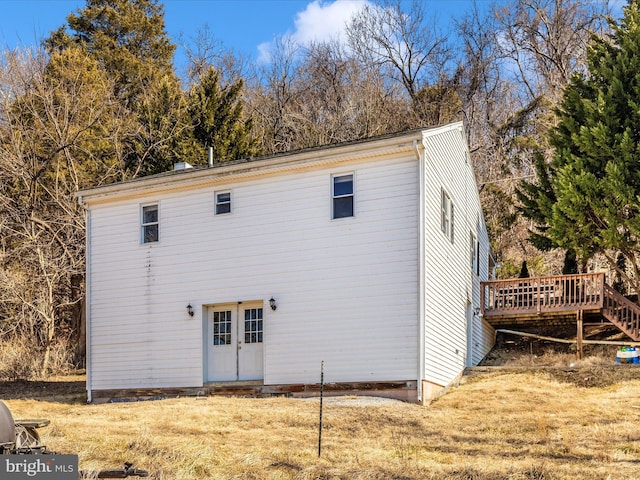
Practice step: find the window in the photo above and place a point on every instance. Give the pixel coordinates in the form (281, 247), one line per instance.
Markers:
(447, 215)
(475, 253)
(342, 196)
(150, 232)
(222, 328)
(253, 325)
(223, 203)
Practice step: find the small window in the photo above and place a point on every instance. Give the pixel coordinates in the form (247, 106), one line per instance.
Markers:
(447, 215)
(475, 253)
(150, 225)
(342, 196)
(223, 203)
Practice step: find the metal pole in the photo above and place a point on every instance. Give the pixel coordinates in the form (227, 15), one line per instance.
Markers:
(321, 396)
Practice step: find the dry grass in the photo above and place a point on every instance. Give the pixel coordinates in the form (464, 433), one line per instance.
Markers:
(528, 424)
(20, 360)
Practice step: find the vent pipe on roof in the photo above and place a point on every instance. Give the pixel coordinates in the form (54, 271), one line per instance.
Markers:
(182, 166)
(210, 159)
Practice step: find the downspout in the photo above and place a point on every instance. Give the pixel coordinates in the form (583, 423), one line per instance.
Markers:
(87, 302)
(419, 148)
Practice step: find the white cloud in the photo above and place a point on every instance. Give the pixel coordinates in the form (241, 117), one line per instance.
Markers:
(264, 52)
(320, 21)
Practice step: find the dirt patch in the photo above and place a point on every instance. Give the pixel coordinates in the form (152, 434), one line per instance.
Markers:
(514, 350)
(596, 376)
(598, 368)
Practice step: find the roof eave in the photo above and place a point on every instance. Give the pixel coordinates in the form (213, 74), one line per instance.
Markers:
(289, 161)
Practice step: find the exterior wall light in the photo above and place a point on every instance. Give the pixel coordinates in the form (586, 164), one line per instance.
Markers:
(190, 310)
(272, 303)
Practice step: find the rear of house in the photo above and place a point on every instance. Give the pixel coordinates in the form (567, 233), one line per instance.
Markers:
(366, 256)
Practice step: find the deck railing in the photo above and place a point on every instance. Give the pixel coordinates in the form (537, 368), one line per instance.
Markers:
(519, 296)
(622, 312)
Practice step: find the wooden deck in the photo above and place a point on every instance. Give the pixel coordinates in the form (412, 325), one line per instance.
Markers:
(558, 299)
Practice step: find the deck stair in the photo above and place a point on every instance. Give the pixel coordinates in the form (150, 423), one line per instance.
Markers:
(561, 298)
(621, 312)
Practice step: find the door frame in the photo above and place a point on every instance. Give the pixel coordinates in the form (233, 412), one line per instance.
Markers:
(237, 308)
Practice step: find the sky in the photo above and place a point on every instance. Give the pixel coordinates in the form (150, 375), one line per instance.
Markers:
(246, 26)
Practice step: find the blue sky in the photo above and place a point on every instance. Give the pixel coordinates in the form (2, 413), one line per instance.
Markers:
(246, 26)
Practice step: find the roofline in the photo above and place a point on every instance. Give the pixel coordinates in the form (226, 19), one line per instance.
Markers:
(274, 163)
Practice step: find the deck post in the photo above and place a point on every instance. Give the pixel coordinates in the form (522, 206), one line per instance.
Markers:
(579, 335)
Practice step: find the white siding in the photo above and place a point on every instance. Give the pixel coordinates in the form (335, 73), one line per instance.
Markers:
(483, 334)
(451, 286)
(346, 289)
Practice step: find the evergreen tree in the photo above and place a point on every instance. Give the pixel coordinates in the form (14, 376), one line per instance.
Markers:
(127, 39)
(218, 120)
(536, 202)
(570, 266)
(594, 175)
(618, 282)
(524, 270)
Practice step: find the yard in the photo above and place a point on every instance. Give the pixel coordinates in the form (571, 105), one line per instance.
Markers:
(515, 423)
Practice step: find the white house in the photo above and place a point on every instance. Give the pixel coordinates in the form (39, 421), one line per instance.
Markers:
(366, 255)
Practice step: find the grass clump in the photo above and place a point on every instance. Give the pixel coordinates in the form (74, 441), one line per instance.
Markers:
(21, 360)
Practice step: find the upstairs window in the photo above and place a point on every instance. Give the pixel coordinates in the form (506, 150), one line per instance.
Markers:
(342, 193)
(150, 225)
(446, 219)
(223, 203)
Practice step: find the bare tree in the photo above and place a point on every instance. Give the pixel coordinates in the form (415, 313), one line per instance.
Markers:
(323, 94)
(271, 96)
(545, 41)
(410, 49)
(517, 59)
(60, 132)
(204, 50)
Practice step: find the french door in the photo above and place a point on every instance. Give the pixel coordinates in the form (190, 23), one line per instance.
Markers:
(235, 343)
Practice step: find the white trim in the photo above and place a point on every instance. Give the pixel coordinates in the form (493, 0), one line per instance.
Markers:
(87, 306)
(419, 147)
(352, 195)
(431, 132)
(223, 173)
(215, 202)
(142, 224)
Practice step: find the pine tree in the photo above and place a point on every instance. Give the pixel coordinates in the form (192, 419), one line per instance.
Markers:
(570, 266)
(594, 175)
(524, 270)
(218, 120)
(127, 39)
(536, 202)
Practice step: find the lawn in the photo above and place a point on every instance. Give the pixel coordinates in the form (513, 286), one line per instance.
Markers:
(513, 423)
